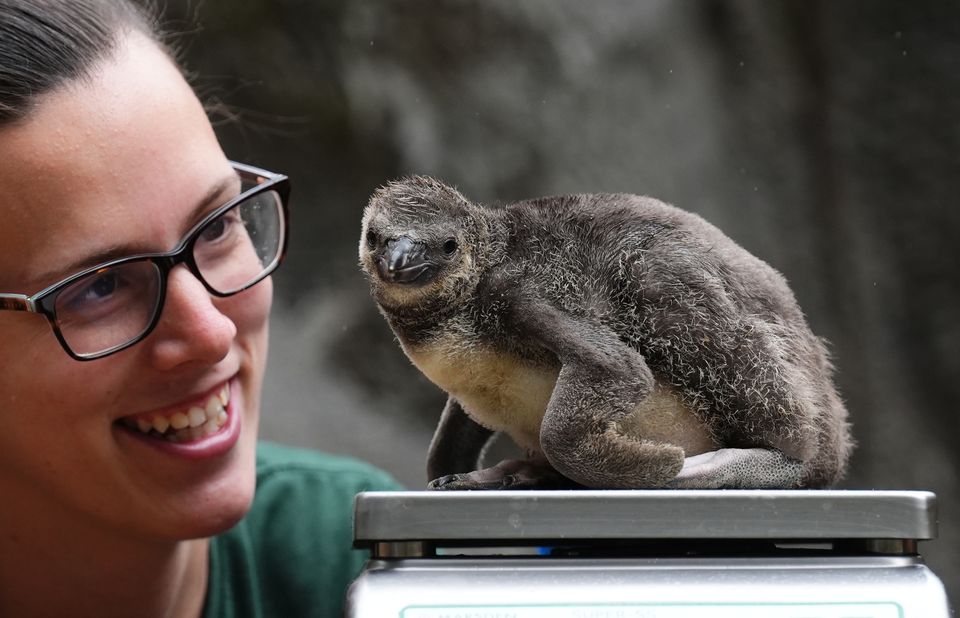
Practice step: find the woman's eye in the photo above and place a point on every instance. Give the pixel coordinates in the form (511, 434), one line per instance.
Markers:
(222, 227)
(103, 286)
(109, 293)
(97, 288)
(215, 229)
(92, 292)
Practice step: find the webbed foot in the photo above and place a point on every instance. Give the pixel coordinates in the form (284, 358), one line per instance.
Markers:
(508, 474)
(739, 468)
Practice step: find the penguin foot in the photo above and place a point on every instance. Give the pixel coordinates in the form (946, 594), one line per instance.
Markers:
(508, 474)
(739, 468)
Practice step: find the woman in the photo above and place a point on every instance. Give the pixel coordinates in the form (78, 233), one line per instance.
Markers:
(131, 385)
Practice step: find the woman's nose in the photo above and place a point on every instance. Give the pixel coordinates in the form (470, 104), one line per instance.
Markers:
(191, 327)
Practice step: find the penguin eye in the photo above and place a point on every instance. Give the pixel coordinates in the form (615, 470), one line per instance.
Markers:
(371, 240)
(450, 246)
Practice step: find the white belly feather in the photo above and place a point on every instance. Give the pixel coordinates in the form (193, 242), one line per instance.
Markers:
(504, 393)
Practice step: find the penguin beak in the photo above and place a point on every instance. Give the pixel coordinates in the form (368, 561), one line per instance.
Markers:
(403, 260)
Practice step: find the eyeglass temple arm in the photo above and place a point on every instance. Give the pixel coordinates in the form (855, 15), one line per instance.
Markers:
(257, 174)
(16, 302)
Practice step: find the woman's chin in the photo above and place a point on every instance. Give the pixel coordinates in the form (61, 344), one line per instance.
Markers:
(210, 507)
(215, 525)
(210, 518)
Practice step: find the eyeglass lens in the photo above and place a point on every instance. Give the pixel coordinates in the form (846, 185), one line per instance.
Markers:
(108, 307)
(236, 248)
(116, 305)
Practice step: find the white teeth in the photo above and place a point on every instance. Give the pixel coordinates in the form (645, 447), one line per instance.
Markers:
(213, 407)
(210, 427)
(192, 424)
(160, 423)
(197, 416)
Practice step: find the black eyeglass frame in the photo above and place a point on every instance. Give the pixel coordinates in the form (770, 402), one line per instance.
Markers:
(43, 302)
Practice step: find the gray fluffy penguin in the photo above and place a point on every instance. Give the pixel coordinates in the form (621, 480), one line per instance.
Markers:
(622, 342)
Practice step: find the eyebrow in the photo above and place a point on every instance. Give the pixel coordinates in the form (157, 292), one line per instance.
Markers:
(116, 251)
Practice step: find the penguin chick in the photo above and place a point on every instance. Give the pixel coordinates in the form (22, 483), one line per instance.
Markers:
(622, 342)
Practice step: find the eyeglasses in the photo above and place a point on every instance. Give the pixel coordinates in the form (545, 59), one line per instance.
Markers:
(110, 307)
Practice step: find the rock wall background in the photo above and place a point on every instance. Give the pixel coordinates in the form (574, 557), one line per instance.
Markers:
(822, 136)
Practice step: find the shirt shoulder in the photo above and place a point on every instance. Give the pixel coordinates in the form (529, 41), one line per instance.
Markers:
(292, 554)
(293, 468)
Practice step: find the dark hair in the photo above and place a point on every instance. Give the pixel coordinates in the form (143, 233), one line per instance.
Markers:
(44, 43)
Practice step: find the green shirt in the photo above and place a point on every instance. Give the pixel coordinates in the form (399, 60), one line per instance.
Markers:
(292, 554)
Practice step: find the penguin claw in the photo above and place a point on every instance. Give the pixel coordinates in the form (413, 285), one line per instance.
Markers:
(467, 481)
(509, 474)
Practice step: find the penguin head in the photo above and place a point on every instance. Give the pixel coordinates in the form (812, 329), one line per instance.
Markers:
(419, 242)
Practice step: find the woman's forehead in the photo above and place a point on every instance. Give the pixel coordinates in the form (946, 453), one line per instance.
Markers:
(121, 157)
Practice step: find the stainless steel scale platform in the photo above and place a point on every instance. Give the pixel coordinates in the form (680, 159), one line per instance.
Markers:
(646, 554)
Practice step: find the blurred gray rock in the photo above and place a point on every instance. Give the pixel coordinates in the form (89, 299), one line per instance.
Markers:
(822, 136)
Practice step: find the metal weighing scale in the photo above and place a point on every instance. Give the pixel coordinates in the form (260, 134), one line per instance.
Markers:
(646, 554)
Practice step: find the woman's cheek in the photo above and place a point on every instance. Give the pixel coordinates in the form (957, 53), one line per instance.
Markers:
(250, 309)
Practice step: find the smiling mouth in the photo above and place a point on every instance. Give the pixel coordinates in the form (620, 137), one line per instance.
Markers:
(187, 425)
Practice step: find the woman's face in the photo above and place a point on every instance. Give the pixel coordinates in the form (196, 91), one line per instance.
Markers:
(121, 163)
